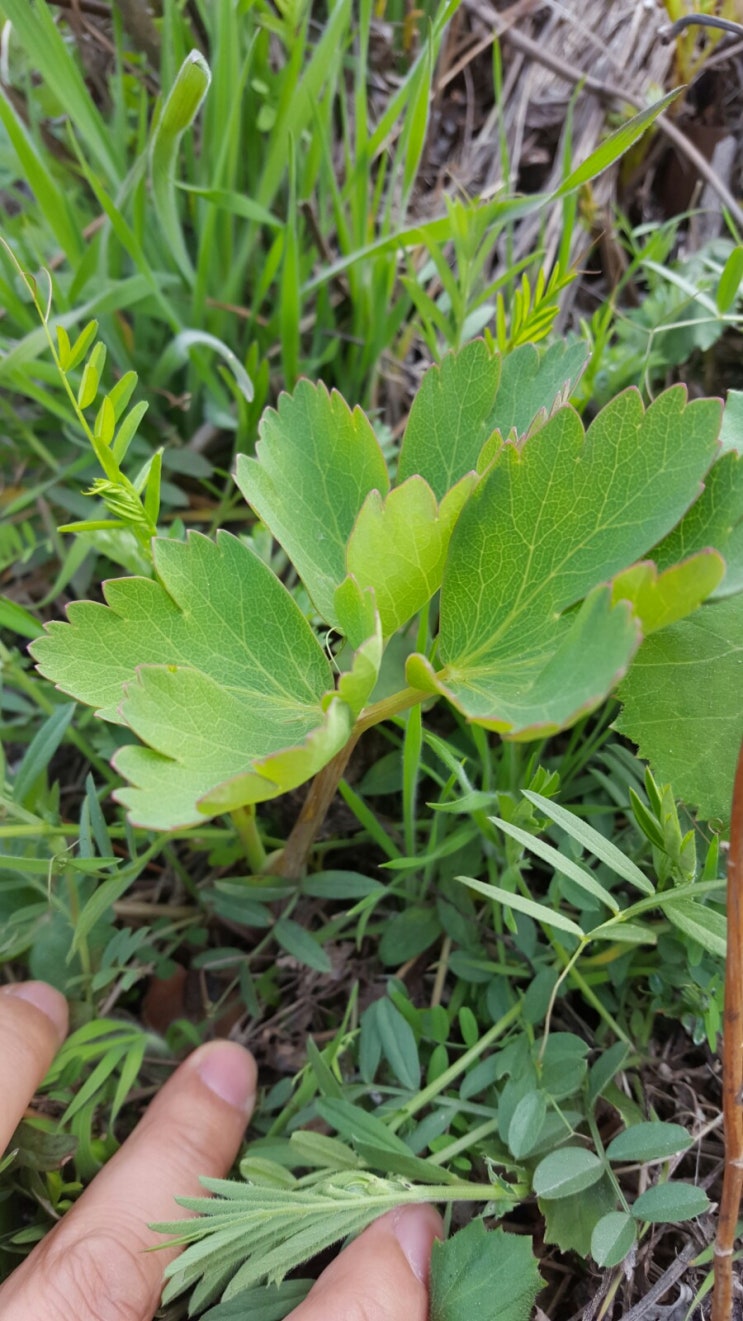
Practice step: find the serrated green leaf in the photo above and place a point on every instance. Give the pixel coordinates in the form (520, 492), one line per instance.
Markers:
(566, 1171)
(612, 1238)
(649, 1141)
(215, 668)
(569, 1222)
(315, 464)
(449, 419)
(683, 705)
(398, 546)
(731, 433)
(534, 383)
(546, 524)
(669, 1203)
(714, 520)
(704, 925)
(660, 599)
(476, 1267)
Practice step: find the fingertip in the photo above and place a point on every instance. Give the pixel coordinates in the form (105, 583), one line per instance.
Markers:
(229, 1071)
(416, 1228)
(45, 998)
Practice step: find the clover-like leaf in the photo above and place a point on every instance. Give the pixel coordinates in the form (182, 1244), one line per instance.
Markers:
(398, 546)
(316, 462)
(215, 668)
(683, 705)
(549, 521)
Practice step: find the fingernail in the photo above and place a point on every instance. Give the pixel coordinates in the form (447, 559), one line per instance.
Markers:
(415, 1228)
(229, 1072)
(43, 997)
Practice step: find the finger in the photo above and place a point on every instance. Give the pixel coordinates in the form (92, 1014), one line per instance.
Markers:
(33, 1025)
(94, 1263)
(382, 1276)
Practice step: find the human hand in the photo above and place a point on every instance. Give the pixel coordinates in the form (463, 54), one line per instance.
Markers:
(93, 1265)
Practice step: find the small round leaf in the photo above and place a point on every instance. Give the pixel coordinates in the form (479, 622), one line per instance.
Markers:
(569, 1170)
(651, 1141)
(667, 1203)
(613, 1236)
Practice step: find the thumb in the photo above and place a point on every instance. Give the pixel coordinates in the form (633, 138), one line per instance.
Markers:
(382, 1275)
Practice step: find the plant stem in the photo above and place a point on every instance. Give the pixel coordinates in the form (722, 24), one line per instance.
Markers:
(244, 821)
(732, 1065)
(292, 860)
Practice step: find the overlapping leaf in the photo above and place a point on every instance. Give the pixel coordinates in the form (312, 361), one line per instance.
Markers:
(683, 704)
(316, 463)
(550, 521)
(215, 668)
(714, 520)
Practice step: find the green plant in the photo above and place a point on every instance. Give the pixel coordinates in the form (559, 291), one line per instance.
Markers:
(533, 628)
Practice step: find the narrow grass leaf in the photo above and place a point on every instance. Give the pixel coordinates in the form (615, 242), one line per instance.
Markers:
(41, 749)
(591, 840)
(517, 901)
(565, 866)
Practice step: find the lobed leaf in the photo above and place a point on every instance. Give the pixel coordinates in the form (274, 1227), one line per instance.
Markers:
(476, 1266)
(315, 464)
(714, 521)
(682, 704)
(547, 524)
(214, 667)
(398, 546)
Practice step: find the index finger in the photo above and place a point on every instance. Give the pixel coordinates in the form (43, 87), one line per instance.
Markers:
(33, 1025)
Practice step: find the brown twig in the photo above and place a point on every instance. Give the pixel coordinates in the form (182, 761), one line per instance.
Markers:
(611, 92)
(732, 1065)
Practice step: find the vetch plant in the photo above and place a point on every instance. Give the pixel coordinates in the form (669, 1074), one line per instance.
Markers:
(518, 560)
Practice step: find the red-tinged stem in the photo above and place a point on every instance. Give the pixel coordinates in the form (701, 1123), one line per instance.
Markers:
(732, 1066)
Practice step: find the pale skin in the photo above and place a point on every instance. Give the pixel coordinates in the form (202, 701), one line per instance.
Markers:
(93, 1266)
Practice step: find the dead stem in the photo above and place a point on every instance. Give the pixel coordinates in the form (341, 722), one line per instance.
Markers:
(732, 1066)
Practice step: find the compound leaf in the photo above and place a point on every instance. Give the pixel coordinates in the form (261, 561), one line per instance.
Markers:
(683, 705)
(214, 667)
(549, 522)
(477, 1266)
(315, 464)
